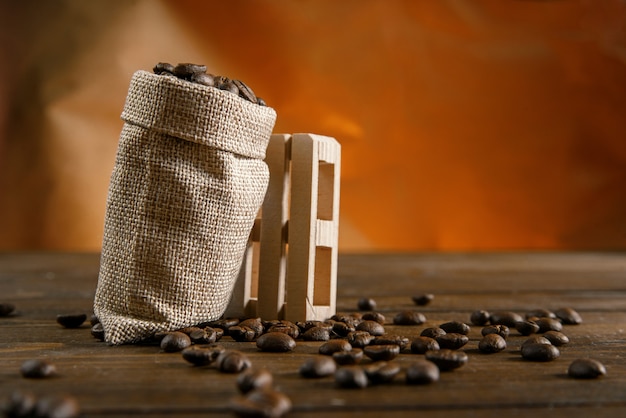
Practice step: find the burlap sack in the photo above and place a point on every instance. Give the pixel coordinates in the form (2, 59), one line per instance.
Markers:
(188, 181)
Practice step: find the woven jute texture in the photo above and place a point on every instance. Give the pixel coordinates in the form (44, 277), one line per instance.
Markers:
(188, 181)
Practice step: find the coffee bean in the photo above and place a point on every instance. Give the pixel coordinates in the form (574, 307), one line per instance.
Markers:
(480, 317)
(398, 340)
(317, 334)
(175, 341)
(94, 320)
(318, 366)
(261, 403)
(342, 329)
(452, 340)
(332, 346)
(540, 352)
(372, 327)
(186, 70)
(353, 356)
(557, 338)
(422, 372)
(492, 343)
(455, 327)
(307, 325)
(6, 309)
(202, 356)
(276, 342)
(205, 335)
(384, 352)
(37, 368)
(535, 339)
(242, 333)
(245, 91)
(71, 320)
(432, 332)
(421, 345)
(527, 327)
(287, 327)
(423, 299)
(548, 324)
(163, 67)
(366, 304)
(374, 316)
(351, 377)
(230, 87)
(507, 318)
(232, 361)
(21, 404)
(501, 330)
(97, 331)
(446, 359)
(254, 324)
(540, 313)
(568, 316)
(57, 407)
(203, 78)
(586, 368)
(252, 379)
(352, 320)
(260, 101)
(222, 324)
(359, 339)
(409, 318)
(381, 372)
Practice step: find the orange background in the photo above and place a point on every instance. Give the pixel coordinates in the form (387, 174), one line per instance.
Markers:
(465, 125)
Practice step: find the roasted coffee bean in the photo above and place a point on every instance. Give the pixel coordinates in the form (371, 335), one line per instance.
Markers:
(37, 368)
(398, 340)
(232, 361)
(423, 299)
(260, 101)
(480, 317)
(373, 327)
(186, 70)
(332, 346)
(163, 67)
(409, 318)
(6, 309)
(222, 324)
(540, 313)
(548, 324)
(452, 340)
(568, 316)
(261, 403)
(492, 343)
(374, 316)
(447, 359)
(527, 327)
(432, 332)
(276, 342)
(230, 87)
(507, 318)
(351, 377)
(422, 372)
(381, 372)
(359, 339)
(586, 368)
(456, 327)
(201, 356)
(292, 330)
(342, 329)
(557, 338)
(175, 341)
(353, 319)
(252, 379)
(93, 320)
(203, 78)
(501, 330)
(57, 407)
(242, 333)
(535, 339)
(318, 366)
(385, 352)
(254, 324)
(317, 334)
(221, 81)
(97, 331)
(421, 345)
(353, 356)
(205, 335)
(71, 320)
(245, 91)
(540, 352)
(307, 325)
(366, 304)
(21, 404)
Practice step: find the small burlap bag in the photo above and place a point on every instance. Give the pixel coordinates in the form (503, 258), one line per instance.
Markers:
(188, 181)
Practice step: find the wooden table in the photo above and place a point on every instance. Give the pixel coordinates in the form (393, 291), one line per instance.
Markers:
(141, 380)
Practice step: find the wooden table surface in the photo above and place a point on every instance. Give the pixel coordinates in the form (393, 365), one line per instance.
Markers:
(142, 380)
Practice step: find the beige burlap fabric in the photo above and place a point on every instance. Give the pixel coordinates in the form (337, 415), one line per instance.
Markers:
(188, 181)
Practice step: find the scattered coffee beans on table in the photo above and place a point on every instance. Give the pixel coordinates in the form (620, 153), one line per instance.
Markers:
(38, 368)
(568, 316)
(423, 299)
(252, 379)
(381, 372)
(492, 343)
(586, 368)
(277, 342)
(71, 320)
(447, 359)
(233, 361)
(318, 366)
(409, 318)
(366, 304)
(422, 372)
(540, 352)
(351, 377)
(263, 403)
(6, 309)
(175, 341)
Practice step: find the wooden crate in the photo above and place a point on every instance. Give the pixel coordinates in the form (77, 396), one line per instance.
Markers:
(290, 267)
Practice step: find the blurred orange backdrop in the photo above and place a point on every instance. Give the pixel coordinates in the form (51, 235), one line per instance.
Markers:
(465, 124)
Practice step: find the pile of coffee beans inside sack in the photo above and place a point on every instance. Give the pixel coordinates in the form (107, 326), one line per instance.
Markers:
(354, 349)
(196, 73)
